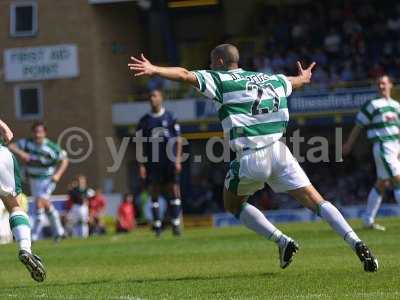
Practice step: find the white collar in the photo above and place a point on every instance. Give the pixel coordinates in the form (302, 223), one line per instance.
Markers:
(159, 114)
(236, 70)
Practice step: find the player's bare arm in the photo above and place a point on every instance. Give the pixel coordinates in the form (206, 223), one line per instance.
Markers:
(60, 170)
(303, 77)
(22, 155)
(6, 132)
(178, 162)
(143, 67)
(348, 146)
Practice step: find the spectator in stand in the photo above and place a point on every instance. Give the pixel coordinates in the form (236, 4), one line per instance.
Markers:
(97, 206)
(321, 77)
(319, 57)
(262, 64)
(277, 63)
(376, 71)
(364, 32)
(291, 58)
(126, 215)
(347, 72)
(332, 42)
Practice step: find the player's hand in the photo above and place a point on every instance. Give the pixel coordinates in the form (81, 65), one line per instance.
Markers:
(25, 157)
(56, 178)
(142, 172)
(141, 66)
(346, 149)
(305, 74)
(7, 136)
(178, 167)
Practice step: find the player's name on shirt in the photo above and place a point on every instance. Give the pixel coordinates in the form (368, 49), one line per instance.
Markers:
(252, 106)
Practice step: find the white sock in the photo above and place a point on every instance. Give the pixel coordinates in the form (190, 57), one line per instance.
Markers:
(374, 201)
(332, 215)
(255, 220)
(54, 218)
(81, 229)
(396, 191)
(21, 229)
(85, 230)
(38, 225)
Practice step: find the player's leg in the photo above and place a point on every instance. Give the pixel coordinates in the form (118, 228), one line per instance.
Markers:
(384, 154)
(54, 218)
(20, 227)
(249, 215)
(288, 176)
(51, 212)
(154, 190)
(311, 199)
(10, 187)
(78, 220)
(70, 220)
(39, 220)
(84, 221)
(19, 223)
(373, 203)
(255, 220)
(174, 193)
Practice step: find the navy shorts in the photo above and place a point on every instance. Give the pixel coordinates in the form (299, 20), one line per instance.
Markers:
(161, 174)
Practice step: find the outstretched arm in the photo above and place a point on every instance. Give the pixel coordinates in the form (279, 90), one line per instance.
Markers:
(348, 146)
(303, 77)
(143, 67)
(5, 132)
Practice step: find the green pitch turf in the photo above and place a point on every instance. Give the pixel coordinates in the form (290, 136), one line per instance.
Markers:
(230, 263)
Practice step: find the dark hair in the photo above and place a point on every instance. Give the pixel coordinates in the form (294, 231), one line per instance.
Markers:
(155, 90)
(387, 76)
(38, 124)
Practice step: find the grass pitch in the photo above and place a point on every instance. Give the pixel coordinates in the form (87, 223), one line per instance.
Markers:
(231, 263)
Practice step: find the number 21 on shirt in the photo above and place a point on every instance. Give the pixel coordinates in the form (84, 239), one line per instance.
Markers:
(259, 92)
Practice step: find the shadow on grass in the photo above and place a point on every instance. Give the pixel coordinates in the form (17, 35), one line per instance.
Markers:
(140, 281)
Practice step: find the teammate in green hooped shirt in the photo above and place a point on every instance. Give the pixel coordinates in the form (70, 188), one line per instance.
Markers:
(10, 189)
(45, 163)
(252, 108)
(381, 119)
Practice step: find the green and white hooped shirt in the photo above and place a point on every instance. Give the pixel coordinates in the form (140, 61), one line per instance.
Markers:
(44, 157)
(252, 106)
(381, 118)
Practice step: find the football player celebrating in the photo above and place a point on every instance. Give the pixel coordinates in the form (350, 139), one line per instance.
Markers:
(253, 110)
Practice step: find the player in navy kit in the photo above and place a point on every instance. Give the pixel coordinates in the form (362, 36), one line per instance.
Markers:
(162, 152)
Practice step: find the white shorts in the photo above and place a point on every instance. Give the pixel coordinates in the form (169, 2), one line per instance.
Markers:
(386, 155)
(10, 179)
(42, 187)
(274, 165)
(78, 214)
